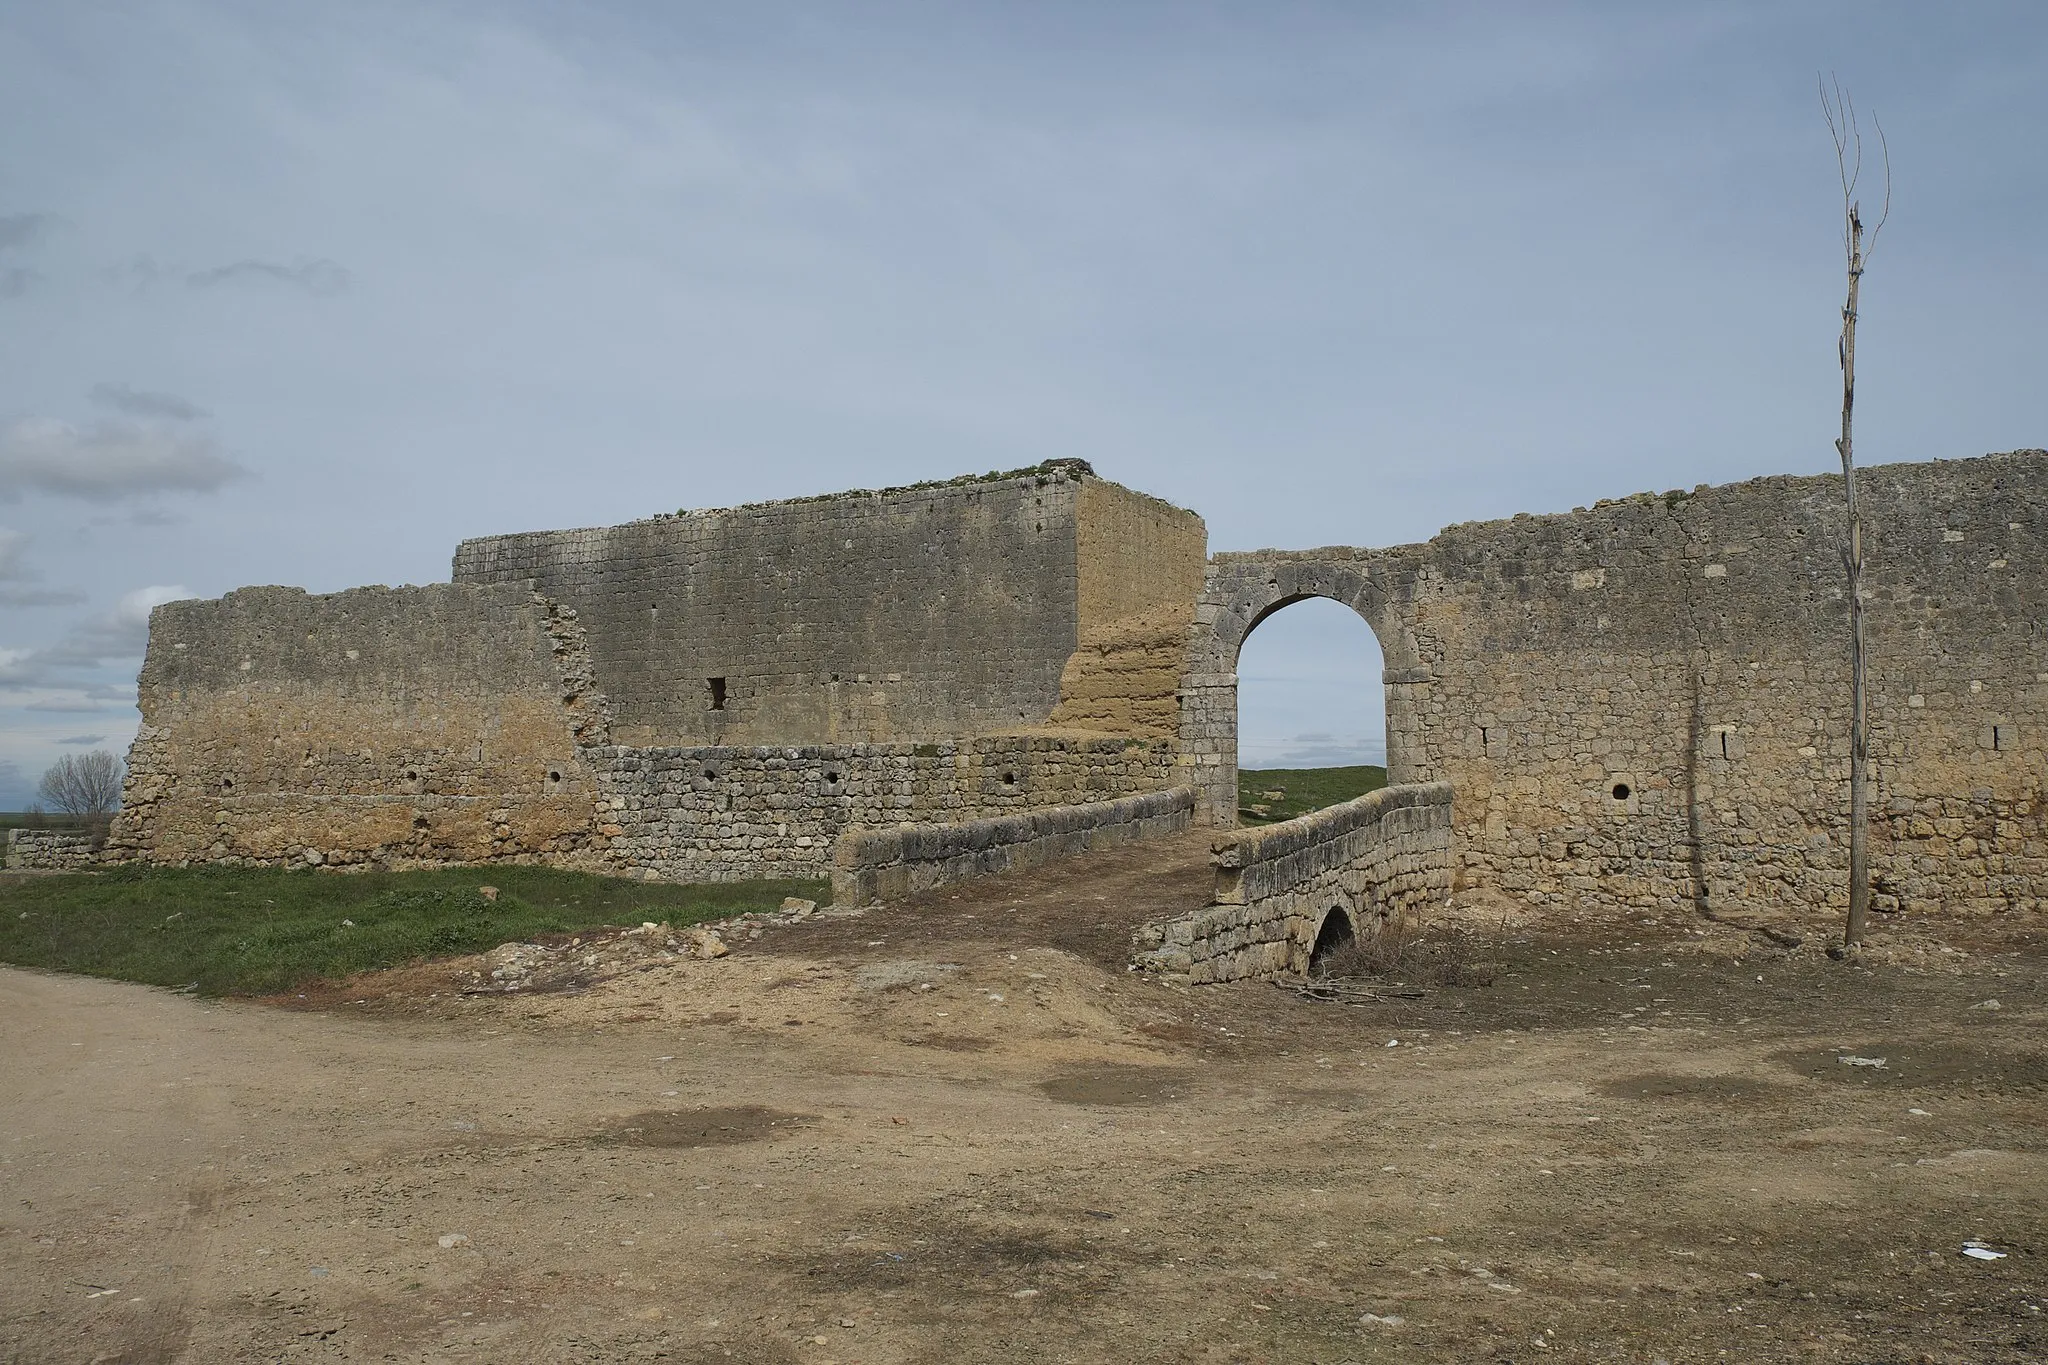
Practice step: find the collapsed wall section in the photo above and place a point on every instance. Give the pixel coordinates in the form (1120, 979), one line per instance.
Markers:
(52, 850)
(911, 614)
(397, 726)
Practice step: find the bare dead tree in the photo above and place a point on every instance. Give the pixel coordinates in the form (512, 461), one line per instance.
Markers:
(87, 785)
(1847, 133)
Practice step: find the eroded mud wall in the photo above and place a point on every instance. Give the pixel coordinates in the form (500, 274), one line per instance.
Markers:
(398, 726)
(1139, 569)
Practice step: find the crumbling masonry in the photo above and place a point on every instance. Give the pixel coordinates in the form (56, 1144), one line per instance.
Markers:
(1632, 705)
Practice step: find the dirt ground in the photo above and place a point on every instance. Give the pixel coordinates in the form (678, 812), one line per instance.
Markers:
(957, 1130)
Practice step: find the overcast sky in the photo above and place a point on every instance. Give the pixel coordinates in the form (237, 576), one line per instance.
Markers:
(305, 294)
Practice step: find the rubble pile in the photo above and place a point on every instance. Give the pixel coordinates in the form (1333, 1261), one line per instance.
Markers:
(582, 961)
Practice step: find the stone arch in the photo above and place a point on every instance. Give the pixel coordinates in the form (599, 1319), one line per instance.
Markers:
(1243, 590)
(1337, 932)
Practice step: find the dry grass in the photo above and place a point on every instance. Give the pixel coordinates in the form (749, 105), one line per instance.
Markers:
(1400, 951)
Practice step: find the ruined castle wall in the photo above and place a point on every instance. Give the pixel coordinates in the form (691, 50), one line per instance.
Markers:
(878, 657)
(913, 614)
(719, 814)
(1646, 703)
(398, 726)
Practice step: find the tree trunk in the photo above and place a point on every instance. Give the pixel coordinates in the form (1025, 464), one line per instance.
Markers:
(1859, 740)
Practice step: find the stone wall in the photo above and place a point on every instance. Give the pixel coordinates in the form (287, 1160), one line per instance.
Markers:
(1140, 570)
(399, 727)
(1382, 856)
(52, 850)
(1645, 703)
(867, 657)
(1639, 704)
(873, 865)
(718, 814)
(925, 613)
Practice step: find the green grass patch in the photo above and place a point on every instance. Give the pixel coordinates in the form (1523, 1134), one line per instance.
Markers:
(251, 931)
(22, 819)
(1300, 790)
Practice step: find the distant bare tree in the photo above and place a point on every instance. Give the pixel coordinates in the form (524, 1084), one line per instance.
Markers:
(1840, 111)
(86, 785)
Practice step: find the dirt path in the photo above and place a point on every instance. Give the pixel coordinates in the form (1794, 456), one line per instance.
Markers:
(948, 1131)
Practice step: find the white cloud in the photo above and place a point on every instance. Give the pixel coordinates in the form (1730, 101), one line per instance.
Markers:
(108, 461)
(1312, 751)
(116, 637)
(131, 613)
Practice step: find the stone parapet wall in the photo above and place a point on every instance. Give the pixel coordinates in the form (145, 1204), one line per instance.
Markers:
(886, 864)
(53, 850)
(1383, 856)
(724, 813)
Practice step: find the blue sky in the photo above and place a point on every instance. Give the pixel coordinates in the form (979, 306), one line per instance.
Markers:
(305, 294)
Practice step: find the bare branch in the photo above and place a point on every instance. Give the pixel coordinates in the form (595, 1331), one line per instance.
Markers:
(1871, 244)
(1839, 108)
(86, 785)
(1837, 130)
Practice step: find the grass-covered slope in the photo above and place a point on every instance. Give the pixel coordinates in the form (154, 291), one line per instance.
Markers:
(253, 930)
(1265, 795)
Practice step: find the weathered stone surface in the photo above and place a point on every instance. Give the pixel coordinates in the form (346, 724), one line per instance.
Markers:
(53, 850)
(886, 864)
(1383, 856)
(909, 614)
(900, 652)
(721, 814)
(1638, 704)
(398, 726)
(1646, 703)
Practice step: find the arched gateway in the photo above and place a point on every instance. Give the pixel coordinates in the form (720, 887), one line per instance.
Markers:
(1242, 590)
